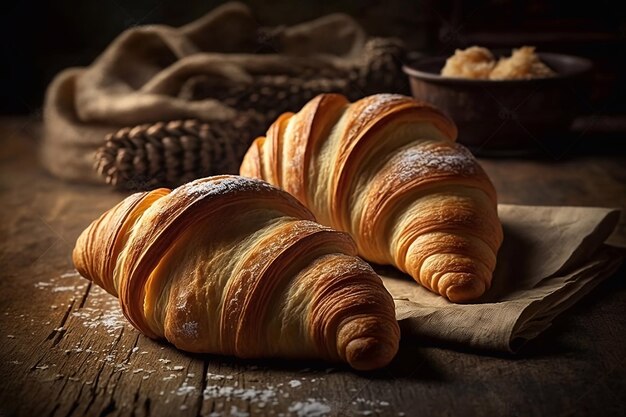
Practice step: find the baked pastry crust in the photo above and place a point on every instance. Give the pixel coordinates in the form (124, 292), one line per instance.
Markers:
(234, 266)
(386, 169)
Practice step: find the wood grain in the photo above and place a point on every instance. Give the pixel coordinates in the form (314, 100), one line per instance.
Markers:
(66, 350)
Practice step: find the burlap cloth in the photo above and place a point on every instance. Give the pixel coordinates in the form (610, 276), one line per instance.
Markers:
(550, 258)
(139, 78)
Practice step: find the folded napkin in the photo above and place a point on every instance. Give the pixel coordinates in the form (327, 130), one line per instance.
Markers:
(550, 258)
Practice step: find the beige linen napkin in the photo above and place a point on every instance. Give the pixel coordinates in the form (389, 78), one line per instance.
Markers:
(550, 258)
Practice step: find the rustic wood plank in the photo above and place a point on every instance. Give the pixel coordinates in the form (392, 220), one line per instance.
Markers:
(580, 181)
(67, 351)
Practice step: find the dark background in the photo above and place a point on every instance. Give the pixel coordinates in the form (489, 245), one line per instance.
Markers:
(41, 38)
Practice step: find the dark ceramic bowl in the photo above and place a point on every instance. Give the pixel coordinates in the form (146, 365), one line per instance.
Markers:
(512, 116)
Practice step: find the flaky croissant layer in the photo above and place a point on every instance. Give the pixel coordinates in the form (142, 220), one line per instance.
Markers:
(386, 169)
(234, 266)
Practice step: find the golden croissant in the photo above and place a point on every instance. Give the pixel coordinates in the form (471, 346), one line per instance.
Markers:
(387, 170)
(234, 266)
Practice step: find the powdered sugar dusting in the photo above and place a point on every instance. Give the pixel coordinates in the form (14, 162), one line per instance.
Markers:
(420, 161)
(249, 394)
(367, 407)
(224, 185)
(294, 383)
(377, 101)
(374, 104)
(271, 395)
(190, 329)
(310, 408)
(185, 389)
(70, 274)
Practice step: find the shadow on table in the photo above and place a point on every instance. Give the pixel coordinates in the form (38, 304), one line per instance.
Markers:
(409, 363)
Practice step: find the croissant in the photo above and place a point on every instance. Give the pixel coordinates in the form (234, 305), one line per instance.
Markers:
(387, 170)
(234, 266)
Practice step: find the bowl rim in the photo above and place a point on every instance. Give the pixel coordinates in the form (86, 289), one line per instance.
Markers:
(585, 66)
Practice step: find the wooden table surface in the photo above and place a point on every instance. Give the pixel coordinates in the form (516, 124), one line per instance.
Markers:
(66, 350)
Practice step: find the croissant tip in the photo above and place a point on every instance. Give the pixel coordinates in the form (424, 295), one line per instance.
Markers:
(467, 288)
(369, 353)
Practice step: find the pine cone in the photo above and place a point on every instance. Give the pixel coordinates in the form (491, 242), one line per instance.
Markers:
(172, 153)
